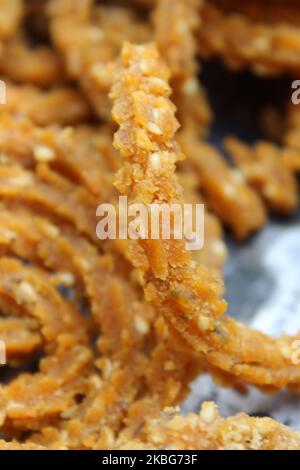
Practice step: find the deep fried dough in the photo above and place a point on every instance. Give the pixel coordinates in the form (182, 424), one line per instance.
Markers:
(29, 400)
(52, 193)
(175, 25)
(11, 12)
(226, 191)
(61, 106)
(40, 66)
(89, 38)
(187, 297)
(109, 364)
(208, 431)
(83, 155)
(263, 167)
(268, 49)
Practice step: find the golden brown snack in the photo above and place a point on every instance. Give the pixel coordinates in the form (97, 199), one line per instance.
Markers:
(291, 159)
(214, 252)
(126, 323)
(83, 155)
(129, 390)
(61, 106)
(208, 431)
(264, 169)
(271, 11)
(106, 374)
(46, 191)
(15, 445)
(268, 49)
(188, 298)
(90, 38)
(75, 262)
(11, 12)
(31, 400)
(283, 128)
(175, 25)
(40, 66)
(21, 336)
(226, 191)
(36, 239)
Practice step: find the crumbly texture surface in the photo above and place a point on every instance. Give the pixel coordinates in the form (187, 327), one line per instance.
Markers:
(187, 297)
(104, 337)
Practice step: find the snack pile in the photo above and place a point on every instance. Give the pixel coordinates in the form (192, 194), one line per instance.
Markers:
(104, 337)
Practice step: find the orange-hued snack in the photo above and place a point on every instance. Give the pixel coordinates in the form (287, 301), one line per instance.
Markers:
(39, 66)
(226, 191)
(83, 155)
(103, 338)
(175, 23)
(187, 297)
(90, 38)
(243, 42)
(263, 167)
(58, 106)
(208, 431)
(11, 13)
(30, 400)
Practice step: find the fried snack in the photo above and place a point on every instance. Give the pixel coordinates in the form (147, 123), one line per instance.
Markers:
(188, 298)
(40, 66)
(15, 445)
(268, 49)
(214, 252)
(21, 336)
(46, 190)
(264, 169)
(61, 106)
(283, 128)
(291, 159)
(208, 431)
(35, 239)
(175, 24)
(30, 400)
(83, 155)
(75, 262)
(273, 11)
(130, 390)
(95, 379)
(11, 12)
(226, 191)
(126, 325)
(89, 38)
(124, 320)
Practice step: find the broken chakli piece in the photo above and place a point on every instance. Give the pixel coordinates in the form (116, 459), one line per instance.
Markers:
(103, 338)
